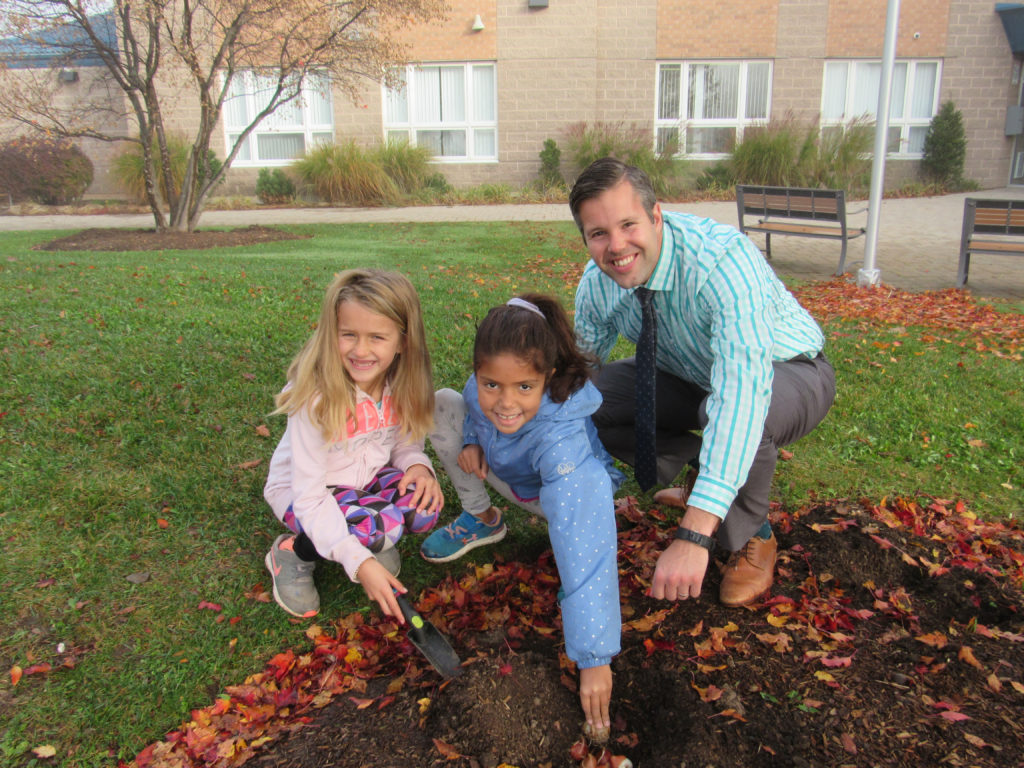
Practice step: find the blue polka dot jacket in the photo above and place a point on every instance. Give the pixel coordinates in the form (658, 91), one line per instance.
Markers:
(557, 458)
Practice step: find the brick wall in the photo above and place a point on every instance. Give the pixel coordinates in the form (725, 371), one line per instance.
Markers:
(856, 28)
(976, 76)
(698, 29)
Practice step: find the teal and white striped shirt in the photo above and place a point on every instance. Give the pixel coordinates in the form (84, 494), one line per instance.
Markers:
(723, 318)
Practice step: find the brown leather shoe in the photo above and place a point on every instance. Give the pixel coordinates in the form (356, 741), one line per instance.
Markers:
(749, 572)
(672, 497)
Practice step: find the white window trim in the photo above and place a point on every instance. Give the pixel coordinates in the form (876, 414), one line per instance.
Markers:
(905, 123)
(469, 124)
(310, 129)
(739, 123)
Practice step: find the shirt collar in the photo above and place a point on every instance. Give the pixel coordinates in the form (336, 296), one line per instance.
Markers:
(663, 276)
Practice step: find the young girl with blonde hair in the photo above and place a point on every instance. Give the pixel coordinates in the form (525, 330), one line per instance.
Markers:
(350, 475)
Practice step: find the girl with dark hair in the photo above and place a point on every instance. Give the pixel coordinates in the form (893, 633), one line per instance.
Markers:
(522, 425)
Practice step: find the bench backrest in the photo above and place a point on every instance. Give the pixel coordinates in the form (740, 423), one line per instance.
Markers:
(993, 217)
(799, 202)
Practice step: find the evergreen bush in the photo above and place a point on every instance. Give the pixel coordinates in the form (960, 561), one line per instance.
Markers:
(273, 187)
(550, 165)
(945, 147)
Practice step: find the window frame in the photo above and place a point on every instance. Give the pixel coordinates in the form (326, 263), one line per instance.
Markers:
(316, 85)
(683, 122)
(905, 123)
(475, 126)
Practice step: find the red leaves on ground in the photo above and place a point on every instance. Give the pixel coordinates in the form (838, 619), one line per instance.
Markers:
(817, 623)
(1000, 333)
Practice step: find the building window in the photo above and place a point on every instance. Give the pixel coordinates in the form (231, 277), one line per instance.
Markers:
(850, 91)
(703, 107)
(287, 132)
(450, 108)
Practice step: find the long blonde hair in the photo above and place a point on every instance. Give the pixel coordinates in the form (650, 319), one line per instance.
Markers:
(317, 374)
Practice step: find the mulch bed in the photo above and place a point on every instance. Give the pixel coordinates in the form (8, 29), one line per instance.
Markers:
(112, 239)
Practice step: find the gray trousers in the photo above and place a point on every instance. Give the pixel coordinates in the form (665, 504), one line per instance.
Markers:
(802, 393)
(447, 440)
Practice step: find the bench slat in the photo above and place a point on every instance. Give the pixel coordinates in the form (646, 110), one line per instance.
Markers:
(1003, 218)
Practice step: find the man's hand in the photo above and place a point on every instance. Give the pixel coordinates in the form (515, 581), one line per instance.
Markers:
(472, 461)
(680, 571)
(595, 695)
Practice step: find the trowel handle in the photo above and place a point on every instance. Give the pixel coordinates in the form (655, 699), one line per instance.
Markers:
(412, 617)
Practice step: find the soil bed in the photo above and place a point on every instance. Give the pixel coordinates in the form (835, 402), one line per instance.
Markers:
(877, 646)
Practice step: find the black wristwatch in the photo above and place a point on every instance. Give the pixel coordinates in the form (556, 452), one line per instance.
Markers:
(697, 538)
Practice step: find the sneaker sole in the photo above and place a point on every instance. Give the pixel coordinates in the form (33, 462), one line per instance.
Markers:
(494, 538)
(267, 561)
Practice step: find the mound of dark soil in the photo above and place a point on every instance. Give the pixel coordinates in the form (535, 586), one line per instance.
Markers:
(893, 637)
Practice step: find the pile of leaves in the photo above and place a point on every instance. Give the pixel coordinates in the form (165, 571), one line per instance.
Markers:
(950, 310)
(893, 636)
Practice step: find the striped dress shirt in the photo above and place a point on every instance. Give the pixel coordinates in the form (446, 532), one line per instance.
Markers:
(723, 318)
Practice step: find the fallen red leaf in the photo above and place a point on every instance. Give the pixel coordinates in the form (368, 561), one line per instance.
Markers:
(447, 752)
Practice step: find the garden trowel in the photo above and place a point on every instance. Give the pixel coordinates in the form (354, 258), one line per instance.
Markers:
(429, 640)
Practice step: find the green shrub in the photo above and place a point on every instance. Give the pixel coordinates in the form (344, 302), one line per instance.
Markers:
(784, 153)
(945, 147)
(407, 166)
(347, 174)
(631, 144)
(273, 187)
(550, 165)
(777, 154)
(716, 178)
(128, 167)
(47, 171)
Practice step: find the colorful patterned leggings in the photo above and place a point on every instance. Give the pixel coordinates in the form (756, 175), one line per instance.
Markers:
(376, 515)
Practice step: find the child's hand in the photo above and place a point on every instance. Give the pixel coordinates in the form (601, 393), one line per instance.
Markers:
(472, 461)
(426, 496)
(595, 694)
(380, 585)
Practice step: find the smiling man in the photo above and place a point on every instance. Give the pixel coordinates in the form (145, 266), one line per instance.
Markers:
(736, 357)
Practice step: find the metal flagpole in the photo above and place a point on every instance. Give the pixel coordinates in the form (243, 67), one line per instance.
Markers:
(868, 275)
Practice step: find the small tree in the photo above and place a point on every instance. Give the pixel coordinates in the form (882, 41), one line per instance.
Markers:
(945, 147)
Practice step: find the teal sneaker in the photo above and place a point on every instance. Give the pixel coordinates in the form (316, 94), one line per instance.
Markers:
(458, 537)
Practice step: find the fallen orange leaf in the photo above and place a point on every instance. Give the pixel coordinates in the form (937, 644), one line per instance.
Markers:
(16, 672)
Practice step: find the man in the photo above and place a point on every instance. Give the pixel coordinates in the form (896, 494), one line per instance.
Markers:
(736, 356)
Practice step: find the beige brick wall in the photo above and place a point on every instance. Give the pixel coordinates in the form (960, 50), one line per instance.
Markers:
(800, 50)
(698, 29)
(976, 76)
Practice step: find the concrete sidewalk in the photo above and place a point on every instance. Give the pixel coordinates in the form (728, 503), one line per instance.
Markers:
(917, 249)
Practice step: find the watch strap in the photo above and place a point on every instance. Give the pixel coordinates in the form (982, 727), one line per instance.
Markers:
(699, 539)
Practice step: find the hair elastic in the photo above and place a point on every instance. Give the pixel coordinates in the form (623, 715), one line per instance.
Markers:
(524, 304)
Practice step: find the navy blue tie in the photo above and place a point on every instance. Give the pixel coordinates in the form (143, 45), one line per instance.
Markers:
(646, 460)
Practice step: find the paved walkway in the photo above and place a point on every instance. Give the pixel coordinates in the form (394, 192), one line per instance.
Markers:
(917, 249)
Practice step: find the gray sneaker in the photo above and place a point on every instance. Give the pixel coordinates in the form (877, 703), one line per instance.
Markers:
(293, 579)
(390, 559)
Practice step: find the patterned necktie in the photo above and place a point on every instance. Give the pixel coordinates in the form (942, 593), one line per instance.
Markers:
(646, 461)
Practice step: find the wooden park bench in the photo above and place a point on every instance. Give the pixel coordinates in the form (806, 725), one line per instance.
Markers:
(990, 226)
(796, 211)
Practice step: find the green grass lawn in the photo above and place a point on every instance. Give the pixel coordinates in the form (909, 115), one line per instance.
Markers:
(136, 392)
